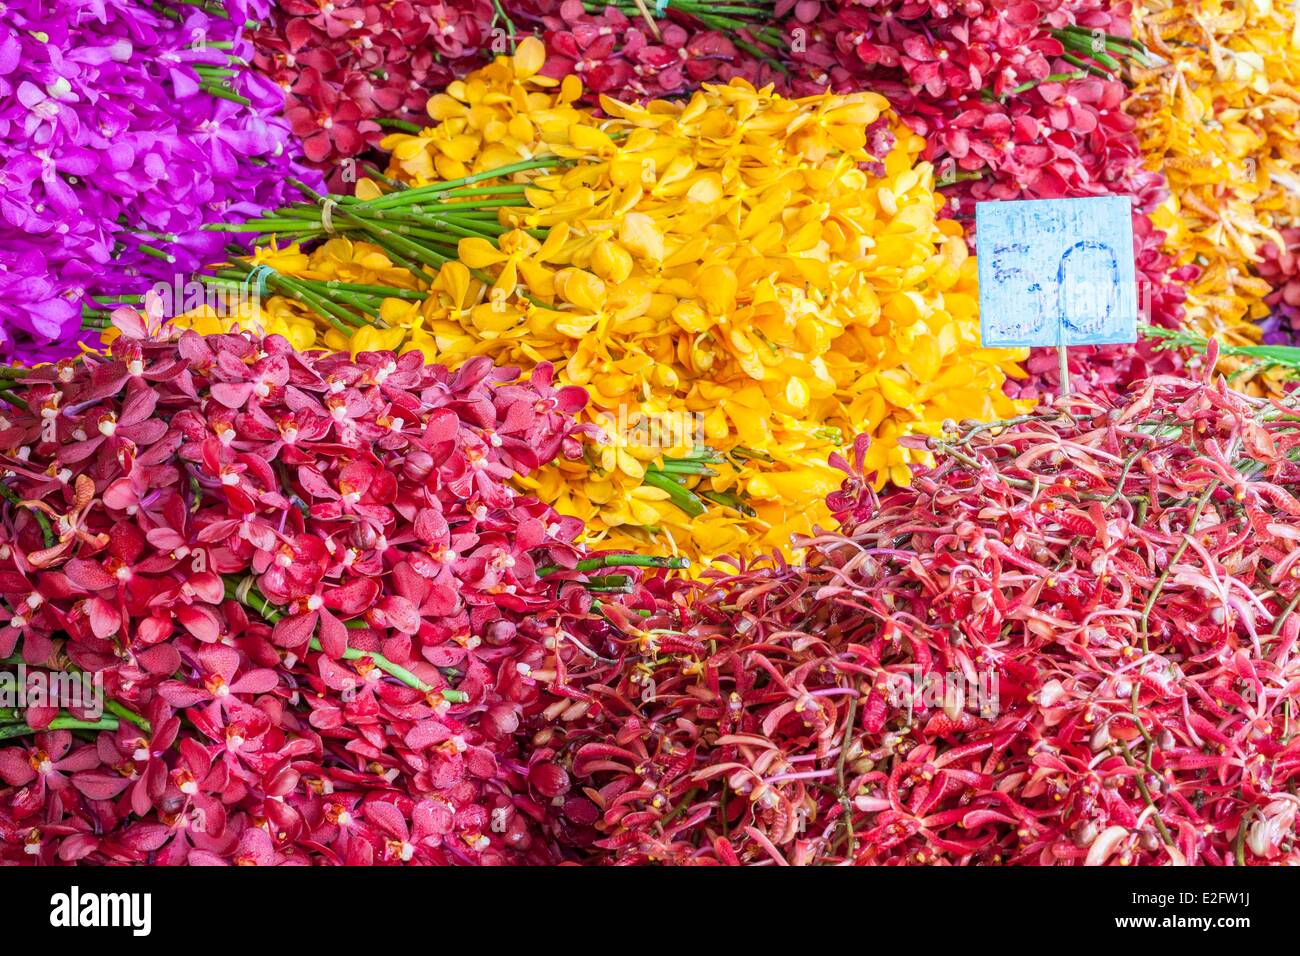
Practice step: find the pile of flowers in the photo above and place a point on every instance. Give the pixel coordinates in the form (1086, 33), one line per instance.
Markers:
(348, 70)
(739, 281)
(1021, 101)
(1217, 115)
(125, 127)
(1071, 642)
(317, 608)
(368, 556)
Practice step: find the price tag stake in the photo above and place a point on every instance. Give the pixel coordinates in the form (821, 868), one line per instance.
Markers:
(1056, 272)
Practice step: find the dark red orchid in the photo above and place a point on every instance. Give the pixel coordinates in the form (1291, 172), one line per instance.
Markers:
(345, 67)
(622, 56)
(50, 763)
(306, 588)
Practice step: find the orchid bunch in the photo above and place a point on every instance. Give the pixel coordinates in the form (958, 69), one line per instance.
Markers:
(124, 127)
(1072, 642)
(665, 260)
(1217, 112)
(318, 610)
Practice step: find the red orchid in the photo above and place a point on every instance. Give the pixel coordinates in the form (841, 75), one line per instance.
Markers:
(147, 748)
(429, 822)
(51, 763)
(192, 572)
(620, 55)
(349, 600)
(344, 67)
(221, 681)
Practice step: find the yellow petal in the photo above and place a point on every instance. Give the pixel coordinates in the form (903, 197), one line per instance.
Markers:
(581, 288)
(367, 189)
(717, 287)
(529, 57)
(477, 253)
(641, 236)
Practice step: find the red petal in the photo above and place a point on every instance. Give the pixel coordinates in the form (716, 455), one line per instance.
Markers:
(354, 597)
(295, 631)
(200, 622)
(100, 786)
(89, 575)
(333, 635)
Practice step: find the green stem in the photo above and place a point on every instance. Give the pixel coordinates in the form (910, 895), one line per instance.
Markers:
(1146, 795)
(418, 193)
(399, 124)
(385, 291)
(846, 801)
(222, 93)
(271, 614)
(1088, 67)
(1155, 591)
(619, 561)
(682, 497)
(503, 17)
(47, 533)
(729, 501)
(1053, 78)
(154, 251)
(58, 723)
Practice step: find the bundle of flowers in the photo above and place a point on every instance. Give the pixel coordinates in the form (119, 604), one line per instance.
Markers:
(1071, 642)
(1015, 101)
(634, 50)
(1217, 115)
(348, 70)
(125, 126)
(316, 609)
(739, 281)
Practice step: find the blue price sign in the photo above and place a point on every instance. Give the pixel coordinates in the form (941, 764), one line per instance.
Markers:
(1056, 272)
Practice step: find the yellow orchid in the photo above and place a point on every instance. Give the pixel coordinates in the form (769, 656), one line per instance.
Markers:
(731, 262)
(1219, 116)
(498, 115)
(740, 286)
(343, 260)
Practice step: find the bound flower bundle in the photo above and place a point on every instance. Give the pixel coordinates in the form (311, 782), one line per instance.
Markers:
(738, 281)
(126, 126)
(1218, 114)
(317, 610)
(1071, 642)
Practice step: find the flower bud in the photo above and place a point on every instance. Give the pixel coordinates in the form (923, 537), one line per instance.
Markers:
(417, 466)
(499, 633)
(549, 779)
